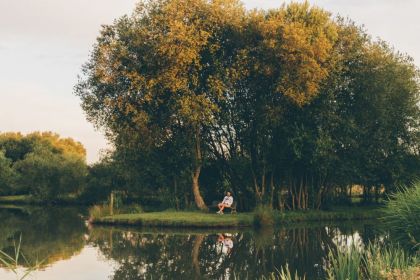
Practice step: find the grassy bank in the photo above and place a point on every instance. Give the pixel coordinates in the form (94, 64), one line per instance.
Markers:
(212, 220)
(178, 219)
(17, 199)
(31, 200)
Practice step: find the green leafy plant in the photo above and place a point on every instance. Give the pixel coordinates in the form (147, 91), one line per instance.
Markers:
(263, 216)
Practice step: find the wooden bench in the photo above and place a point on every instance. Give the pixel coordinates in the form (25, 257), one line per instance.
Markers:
(232, 208)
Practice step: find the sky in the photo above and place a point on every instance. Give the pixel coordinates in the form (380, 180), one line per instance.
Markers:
(43, 44)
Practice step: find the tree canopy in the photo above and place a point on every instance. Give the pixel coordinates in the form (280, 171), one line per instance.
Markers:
(287, 106)
(41, 164)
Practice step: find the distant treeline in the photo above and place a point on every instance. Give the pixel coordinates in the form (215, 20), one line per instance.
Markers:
(42, 165)
(288, 107)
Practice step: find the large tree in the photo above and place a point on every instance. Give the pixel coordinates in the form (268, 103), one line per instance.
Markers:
(286, 106)
(160, 71)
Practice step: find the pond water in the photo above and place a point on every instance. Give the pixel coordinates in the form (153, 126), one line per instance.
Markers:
(71, 249)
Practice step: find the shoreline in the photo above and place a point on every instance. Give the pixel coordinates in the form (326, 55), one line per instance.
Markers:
(180, 219)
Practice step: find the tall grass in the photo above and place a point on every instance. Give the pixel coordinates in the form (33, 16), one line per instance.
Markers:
(376, 262)
(402, 212)
(382, 261)
(282, 274)
(99, 211)
(344, 265)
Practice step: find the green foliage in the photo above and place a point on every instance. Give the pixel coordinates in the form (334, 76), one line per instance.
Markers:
(101, 180)
(263, 216)
(42, 165)
(47, 175)
(402, 212)
(282, 274)
(344, 265)
(380, 260)
(98, 211)
(288, 107)
(376, 262)
(7, 174)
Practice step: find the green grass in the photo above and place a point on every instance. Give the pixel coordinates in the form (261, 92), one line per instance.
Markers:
(337, 214)
(179, 219)
(209, 220)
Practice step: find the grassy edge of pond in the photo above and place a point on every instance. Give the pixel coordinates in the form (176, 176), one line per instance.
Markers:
(31, 200)
(212, 220)
(17, 199)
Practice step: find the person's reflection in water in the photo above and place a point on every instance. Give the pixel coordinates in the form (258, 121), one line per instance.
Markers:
(227, 243)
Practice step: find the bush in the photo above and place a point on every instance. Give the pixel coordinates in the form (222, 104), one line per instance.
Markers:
(49, 176)
(263, 216)
(98, 211)
(130, 209)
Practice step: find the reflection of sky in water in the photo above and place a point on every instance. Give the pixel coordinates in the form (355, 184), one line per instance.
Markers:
(75, 251)
(346, 241)
(88, 265)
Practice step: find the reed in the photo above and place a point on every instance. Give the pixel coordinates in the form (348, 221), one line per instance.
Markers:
(13, 262)
(380, 262)
(344, 265)
(402, 212)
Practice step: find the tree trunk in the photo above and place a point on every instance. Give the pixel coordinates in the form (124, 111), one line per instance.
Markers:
(111, 203)
(195, 255)
(199, 201)
(272, 191)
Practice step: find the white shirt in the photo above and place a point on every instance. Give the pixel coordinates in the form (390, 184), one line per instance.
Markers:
(228, 200)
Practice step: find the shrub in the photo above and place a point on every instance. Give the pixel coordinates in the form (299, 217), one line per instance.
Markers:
(130, 209)
(98, 211)
(263, 216)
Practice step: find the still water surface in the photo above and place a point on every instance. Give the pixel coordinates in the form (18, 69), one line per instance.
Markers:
(71, 249)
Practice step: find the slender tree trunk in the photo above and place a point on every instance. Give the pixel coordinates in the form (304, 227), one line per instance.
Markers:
(199, 201)
(111, 203)
(272, 190)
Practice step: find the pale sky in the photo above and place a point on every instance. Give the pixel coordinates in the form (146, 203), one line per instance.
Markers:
(43, 44)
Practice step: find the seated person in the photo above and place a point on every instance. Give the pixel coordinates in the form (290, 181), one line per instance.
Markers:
(227, 202)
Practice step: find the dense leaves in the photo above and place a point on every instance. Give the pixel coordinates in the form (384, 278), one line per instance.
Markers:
(41, 164)
(288, 107)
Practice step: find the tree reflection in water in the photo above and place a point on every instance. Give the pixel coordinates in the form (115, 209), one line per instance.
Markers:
(53, 234)
(48, 234)
(204, 255)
